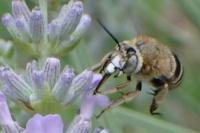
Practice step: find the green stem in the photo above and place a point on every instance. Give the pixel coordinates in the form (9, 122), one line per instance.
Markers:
(44, 9)
(44, 51)
(127, 116)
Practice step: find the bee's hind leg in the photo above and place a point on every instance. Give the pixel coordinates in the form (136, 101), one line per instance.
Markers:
(125, 98)
(159, 95)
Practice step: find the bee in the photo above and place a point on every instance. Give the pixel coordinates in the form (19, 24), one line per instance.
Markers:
(147, 60)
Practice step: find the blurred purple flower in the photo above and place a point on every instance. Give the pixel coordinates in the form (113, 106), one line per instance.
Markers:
(44, 124)
(29, 27)
(89, 103)
(53, 123)
(37, 124)
(46, 84)
(6, 121)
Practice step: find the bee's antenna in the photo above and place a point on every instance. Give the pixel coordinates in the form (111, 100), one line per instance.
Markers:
(107, 31)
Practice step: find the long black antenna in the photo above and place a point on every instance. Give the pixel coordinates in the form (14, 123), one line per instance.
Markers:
(107, 31)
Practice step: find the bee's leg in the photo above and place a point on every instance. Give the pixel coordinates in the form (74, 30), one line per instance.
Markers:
(105, 77)
(125, 98)
(159, 95)
(96, 67)
(102, 63)
(117, 88)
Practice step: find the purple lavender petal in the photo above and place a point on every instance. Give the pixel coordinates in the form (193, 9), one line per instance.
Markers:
(34, 125)
(79, 125)
(36, 25)
(62, 85)
(20, 9)
(88, 106)
(90, 102)
(53, 124)
(6, 121)
(96, 78)
(44, 124)
(5, 116)
(51, 71)
(102, 101)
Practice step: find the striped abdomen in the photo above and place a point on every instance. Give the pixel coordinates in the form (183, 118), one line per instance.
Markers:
(178, 75)
(174, 81)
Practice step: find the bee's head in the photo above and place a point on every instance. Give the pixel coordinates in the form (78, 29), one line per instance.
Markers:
(125, 59)
(133, 57)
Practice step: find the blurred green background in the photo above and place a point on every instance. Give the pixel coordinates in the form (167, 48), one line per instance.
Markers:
(176, 23)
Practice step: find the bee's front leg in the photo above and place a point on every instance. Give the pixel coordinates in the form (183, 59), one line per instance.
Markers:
(125, 98)
(159, 95)
(100, 66)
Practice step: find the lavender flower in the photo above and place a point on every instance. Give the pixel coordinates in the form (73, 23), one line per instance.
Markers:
(6, 121)
(44, 124)
(37, 124)
(53, 123)
(90, 102)
(31, 28)
(36, 26)
(45, 89)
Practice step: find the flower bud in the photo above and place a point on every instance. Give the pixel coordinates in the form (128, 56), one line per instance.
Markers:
(51, 71)
(79, 83)
(23, 29)
(71, 18)
(36, 25)
(82, 27)
(20, 9)
(54, 29)
(15, 86)
(61, 87)
(9, 22)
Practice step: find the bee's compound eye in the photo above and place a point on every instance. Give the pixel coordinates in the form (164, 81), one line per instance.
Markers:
(131, 50)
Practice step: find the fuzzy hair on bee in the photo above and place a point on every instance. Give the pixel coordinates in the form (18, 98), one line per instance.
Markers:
(147, 60)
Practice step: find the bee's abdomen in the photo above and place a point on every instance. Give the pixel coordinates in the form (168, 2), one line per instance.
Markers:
(176, 79)
(173, 81)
